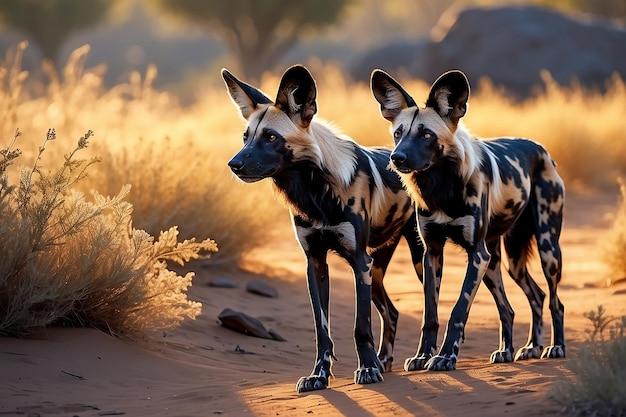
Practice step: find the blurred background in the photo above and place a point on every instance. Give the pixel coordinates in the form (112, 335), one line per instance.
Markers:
(144, 76)
(509, 42)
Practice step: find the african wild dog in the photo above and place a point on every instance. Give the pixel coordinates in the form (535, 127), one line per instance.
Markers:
(342, 197)
(474, 192)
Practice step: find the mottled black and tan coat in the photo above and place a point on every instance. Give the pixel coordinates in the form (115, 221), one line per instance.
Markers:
(476, 193)
(342, 197)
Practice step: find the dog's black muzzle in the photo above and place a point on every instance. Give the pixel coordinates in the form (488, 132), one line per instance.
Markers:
(251, 167)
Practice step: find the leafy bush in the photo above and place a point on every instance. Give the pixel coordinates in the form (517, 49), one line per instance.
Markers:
(66, 260)
(599, 370)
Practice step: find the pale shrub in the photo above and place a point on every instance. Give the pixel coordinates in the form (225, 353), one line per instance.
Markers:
(70, 261)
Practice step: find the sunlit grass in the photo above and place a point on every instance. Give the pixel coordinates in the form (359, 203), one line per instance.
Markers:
(68, 260)
(599, 370)
(174, 158)
(613, 246)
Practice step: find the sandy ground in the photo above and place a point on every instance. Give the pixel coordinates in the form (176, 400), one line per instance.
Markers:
(203, 369)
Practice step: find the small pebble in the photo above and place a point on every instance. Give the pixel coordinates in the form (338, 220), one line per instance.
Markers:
(261, 288)
(222, 282)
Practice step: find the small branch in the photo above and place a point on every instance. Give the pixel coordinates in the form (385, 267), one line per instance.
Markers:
(74, 375)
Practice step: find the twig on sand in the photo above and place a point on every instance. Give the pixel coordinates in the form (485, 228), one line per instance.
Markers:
(74, 375)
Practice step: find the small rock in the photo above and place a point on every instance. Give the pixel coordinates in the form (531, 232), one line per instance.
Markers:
(261, 288)
(222, 282)
(243, 323)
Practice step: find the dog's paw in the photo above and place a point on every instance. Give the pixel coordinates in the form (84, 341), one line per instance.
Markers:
(416, 363)
(556, 351)
(311, 383)
(501, 356)
(441, 363)
(367, 375)
(528, 352)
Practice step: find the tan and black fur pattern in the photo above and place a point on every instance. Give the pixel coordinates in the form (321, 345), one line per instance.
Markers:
(476, 193)
(342, 197)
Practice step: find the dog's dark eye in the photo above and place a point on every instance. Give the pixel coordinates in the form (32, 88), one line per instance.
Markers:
(245, 137)
(397, 133)
(271, 138)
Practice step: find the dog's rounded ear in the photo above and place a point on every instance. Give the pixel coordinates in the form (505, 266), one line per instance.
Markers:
(449, 95)
(389, 94)
(297, 95)
(246, 97)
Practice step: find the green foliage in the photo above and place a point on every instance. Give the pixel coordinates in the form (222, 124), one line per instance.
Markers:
(258, 33)
(599, 370)
(49, 23)
(69, 261)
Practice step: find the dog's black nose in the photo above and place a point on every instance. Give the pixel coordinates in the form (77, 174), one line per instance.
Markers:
(235, 165)
(398, 158)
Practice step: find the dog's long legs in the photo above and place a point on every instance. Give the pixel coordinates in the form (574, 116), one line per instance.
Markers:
(517, 246)
(548, 221)
(433, 268)
(370, 368)
(493, 282)
(386, 310)
(445, 360)
(319, 286)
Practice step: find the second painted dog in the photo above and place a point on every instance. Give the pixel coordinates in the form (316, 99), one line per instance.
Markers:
(475, 193)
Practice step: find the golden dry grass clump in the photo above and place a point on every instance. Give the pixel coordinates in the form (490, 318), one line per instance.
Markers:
(70, 261)
(596, 386)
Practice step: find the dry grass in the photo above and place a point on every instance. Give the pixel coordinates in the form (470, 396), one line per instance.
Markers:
(174, 158)
(71, 261)
(614, 245)
(599, 370)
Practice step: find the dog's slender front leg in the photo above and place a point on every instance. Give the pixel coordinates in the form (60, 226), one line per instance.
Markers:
(445, 360)
(318, 284)
(370, 368)
(433, 264)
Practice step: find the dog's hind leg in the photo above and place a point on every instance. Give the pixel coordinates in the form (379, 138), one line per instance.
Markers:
(493, 282)
(517, 244)
(548, 222)
(386, 310)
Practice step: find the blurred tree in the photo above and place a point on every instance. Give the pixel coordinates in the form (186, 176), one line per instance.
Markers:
(49, 23)
(258, 32)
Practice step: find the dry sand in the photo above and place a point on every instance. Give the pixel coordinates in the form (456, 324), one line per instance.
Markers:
(203, 369)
